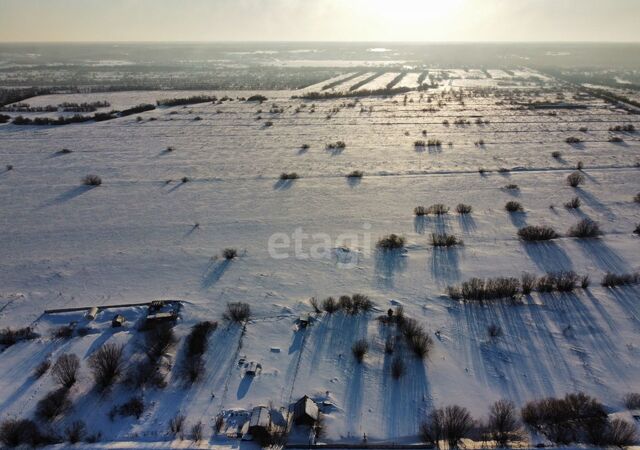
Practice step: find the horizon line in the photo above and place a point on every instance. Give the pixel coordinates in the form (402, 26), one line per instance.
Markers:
(277, 41)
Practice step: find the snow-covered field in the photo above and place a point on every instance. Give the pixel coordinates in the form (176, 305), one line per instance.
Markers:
(134, 239)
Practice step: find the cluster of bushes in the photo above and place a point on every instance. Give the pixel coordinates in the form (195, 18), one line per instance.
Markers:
(577, 418)
(237, 312)
(137, 109)
(187, 100)
(4, 118)
(437, 209)
(9, 337)
(391, 242)
(158, 340)
(622, 279)
(534, 233)
(196, 344)
(92, 180)
(629, 128)
(416, 338)
(351, 305)
(353, 93)
(340, 145)
(284, 176)
(575, 179)
(444, 240)
(257, 98)
(586, 228)
(62, 120)
(478, 289)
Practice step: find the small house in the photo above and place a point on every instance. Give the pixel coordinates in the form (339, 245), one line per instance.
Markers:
(252, 369)
(260, 423)
(305, 411)
(118, 321)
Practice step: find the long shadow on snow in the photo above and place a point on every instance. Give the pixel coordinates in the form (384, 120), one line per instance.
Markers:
(548, 256)
(627, 297)
(598, 251)
(595, 203)
(589, 342)
(406, 398)
(354, 328)
(68, 195)
(387, 264)
(214, 272)
(445, 265)
(467, 223)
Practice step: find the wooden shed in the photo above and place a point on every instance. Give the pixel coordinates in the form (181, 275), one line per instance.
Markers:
(305, 411)
(260, 423)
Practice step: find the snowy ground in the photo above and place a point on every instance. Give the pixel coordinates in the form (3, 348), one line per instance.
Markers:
(133, 240)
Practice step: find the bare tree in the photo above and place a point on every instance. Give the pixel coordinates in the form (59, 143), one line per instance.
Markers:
(502, 421)
(106, 365)
(65, 370)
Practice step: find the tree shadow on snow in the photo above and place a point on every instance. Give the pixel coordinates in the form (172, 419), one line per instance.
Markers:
(467, 223)
(68, 195)
(445, 265)
(596, 250)
(282, 185)
(387, 264)
(548, 256)
(214, 272)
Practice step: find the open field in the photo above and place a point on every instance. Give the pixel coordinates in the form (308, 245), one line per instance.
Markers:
(148, 232)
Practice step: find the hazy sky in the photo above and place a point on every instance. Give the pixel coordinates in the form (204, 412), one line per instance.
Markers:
(320, 20)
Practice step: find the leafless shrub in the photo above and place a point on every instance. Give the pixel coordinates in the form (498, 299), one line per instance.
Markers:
(176, 425)
(330, 305)
(133, 407)
(584, 281)
(556, 154)
(145, 374)
(420, 211)
(420, 344)
(573, 140)
(586, 228)
(106, 365)
(76, 431)
(158, 340)
(8, 336)
(463, 209)
(63, 332)
(503, 422)
(355, 174)
(612, 279)
(432, 429)
(197, 431)
(229, 253)
(528, 282)
(513, 206)
(637, 198)
(41, 368)
(53, 405)
(92, 180)
(237, 312)
(284, 176)
(391, 242)
(564, 420)
(494, 330)
(620, 433)
(397, 368)
(575, 179)
(359, 349)
(632, 400)
(574, 203)
(23, 432)
(315, 305)
(438, 209)
(537, 233)
(444, 240)
(637, 229)
(360, 304)
(478, 289)
(65, 370)
(512, 187)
